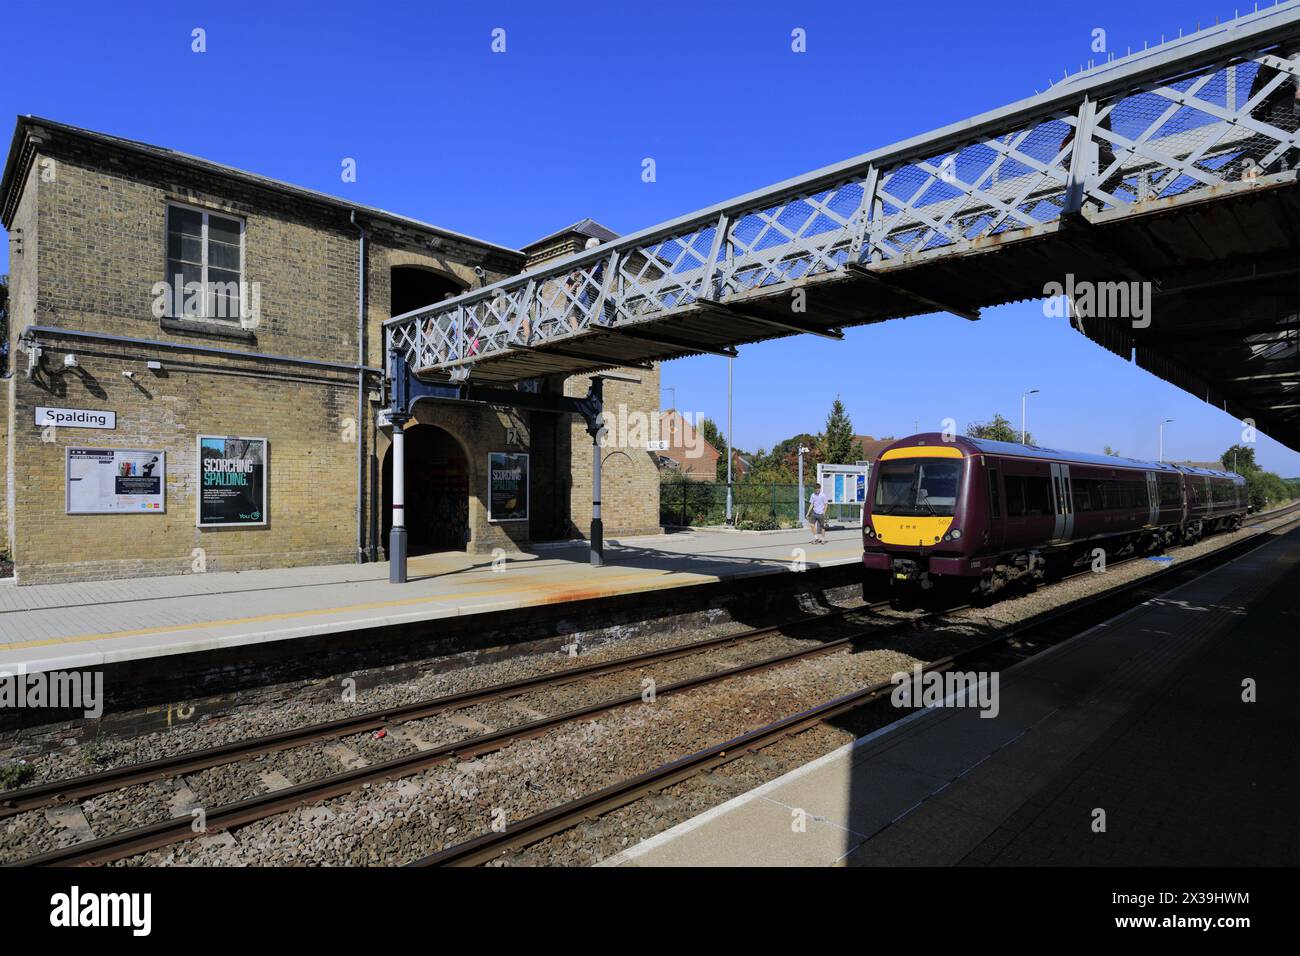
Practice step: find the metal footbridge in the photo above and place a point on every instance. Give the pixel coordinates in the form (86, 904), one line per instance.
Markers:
(1174, 165)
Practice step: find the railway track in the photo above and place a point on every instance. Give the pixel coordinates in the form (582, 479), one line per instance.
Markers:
(139, 839)
(93, 784)
(152, 836)
(1018, 642)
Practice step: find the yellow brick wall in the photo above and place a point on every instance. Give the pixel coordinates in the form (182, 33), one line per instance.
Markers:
(629, 476)
(102, 226)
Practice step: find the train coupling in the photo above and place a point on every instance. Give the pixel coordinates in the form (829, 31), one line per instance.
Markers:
(905, 571)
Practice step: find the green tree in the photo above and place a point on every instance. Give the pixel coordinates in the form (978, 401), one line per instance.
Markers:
(709, 429)
(1263, 488)
(1241, 459)
(1000, 429)
(1111, 451)
(785, 454)
(838, 444)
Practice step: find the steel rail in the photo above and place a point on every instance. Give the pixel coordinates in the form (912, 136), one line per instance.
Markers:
(488, 847)
(89, 785)
(239, 813)
(152, 836)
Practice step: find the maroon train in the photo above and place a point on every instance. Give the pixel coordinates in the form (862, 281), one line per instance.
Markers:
(987, 513)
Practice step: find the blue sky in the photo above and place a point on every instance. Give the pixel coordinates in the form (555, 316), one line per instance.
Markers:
(509, 147)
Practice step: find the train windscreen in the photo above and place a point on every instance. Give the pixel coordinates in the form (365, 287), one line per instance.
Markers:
(917, 486)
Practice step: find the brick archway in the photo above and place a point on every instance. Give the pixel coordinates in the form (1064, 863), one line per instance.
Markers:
(438, 477)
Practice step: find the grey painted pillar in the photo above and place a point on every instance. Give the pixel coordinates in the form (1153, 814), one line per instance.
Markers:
(397, 537)
(597, 529)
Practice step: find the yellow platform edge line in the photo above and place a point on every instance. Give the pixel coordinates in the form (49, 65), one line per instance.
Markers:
(606, 590)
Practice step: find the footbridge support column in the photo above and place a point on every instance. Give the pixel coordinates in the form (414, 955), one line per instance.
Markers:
(405, 389)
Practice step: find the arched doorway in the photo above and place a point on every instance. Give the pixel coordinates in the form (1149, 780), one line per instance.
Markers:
(437, 492)
(413, 287)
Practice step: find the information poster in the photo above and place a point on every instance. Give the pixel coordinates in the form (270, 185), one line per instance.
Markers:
(232, 482)
(507, 486)
(116, 481)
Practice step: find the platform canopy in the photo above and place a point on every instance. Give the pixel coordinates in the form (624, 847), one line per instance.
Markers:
(1166, 177)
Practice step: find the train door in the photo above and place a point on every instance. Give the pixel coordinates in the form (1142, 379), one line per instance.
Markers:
(996, 505)
(1064, 506)
(1153, 496)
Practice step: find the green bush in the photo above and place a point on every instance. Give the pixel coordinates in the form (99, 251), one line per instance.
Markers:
(15, 774)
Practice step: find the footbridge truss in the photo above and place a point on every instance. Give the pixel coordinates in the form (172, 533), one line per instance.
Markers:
(1174, 166)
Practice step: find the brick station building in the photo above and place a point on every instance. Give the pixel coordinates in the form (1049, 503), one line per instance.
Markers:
(114, 372)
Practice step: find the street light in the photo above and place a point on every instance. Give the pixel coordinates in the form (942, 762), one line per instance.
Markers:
(1023, 397)
(729, 358)
(1162, 438)
(803, 450)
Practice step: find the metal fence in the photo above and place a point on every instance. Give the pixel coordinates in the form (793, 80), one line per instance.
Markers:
(755, 505)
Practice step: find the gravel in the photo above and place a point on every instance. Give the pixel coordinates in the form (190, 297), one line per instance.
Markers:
(396, 821)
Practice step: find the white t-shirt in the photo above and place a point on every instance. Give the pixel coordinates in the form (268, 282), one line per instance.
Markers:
(818, 502)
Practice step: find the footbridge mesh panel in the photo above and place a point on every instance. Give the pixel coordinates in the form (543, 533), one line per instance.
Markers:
(1222, 108)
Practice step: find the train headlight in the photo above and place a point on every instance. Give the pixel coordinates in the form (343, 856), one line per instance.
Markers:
(956, 534)
(951, 535)
(871, 532)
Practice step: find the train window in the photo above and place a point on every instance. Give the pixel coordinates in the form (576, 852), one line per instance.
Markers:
(1171, 495)
(1083, 492)
(1123, 495)
(995, 505)
(1028, 496)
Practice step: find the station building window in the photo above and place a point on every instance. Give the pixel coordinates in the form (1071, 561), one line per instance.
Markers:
(205, 264)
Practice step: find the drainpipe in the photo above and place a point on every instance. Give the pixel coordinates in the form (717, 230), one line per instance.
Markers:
(361, 383)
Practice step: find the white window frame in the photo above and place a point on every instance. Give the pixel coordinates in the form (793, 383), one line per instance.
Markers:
(167, 228)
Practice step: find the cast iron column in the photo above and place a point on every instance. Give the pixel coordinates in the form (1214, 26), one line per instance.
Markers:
(594, 427)
(397, 537)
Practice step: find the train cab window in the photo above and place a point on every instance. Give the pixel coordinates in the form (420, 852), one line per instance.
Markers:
(918, 486)
(995, 501)
(1028, 496)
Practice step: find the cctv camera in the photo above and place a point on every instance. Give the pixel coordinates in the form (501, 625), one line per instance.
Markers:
(70, 360)
(129, 374)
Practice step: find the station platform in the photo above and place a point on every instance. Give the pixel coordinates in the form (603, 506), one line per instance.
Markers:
(61, 626)
(1141, 719)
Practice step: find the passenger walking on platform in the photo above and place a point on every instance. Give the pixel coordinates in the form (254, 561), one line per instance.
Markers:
(817, 512)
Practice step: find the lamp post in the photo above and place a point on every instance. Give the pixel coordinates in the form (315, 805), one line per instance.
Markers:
(803, 450)
(1024, 396)
(1162, 438)
(729, 361)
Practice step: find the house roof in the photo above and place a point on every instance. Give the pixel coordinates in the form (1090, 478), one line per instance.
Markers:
(27, 135)
(872, 447)
(583, 227)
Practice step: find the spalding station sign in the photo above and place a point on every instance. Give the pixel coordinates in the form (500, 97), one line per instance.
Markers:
(75, 417)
